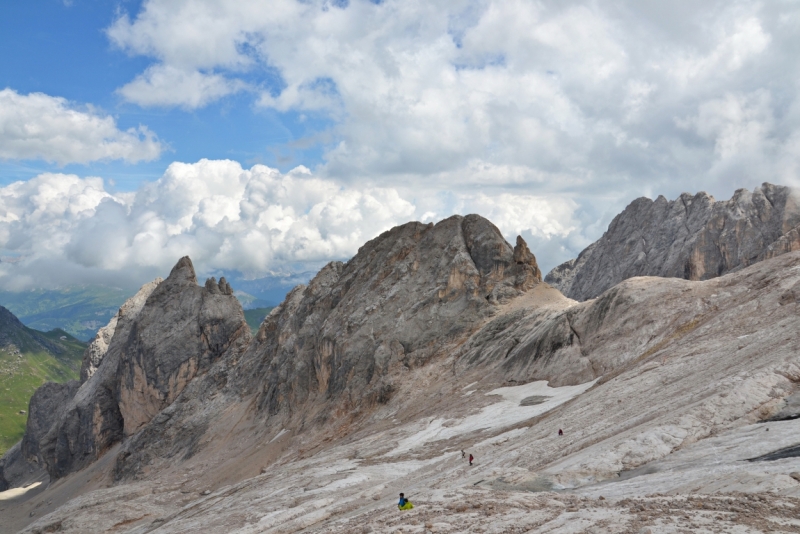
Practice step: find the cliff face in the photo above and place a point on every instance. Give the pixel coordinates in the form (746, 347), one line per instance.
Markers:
(407, 295)
(98, 347)
(693, 237)
(334, 349)
(137, 365)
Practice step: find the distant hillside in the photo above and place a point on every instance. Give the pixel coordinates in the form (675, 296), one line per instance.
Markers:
(80, 311)
(28, 358)
(255, 317)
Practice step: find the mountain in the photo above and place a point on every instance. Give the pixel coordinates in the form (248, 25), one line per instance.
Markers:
(27, 359)
(371, 380)
(693, 237)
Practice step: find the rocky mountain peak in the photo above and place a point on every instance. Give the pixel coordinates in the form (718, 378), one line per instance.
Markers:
(183, 273)
(8, 318)
(403, 298)
(159, 341)
(432, 339)
(694, 237)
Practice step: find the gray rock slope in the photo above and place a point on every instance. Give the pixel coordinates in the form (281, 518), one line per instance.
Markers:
(137, 365)
(333, 349)
(287, 433)
(693, 237)
(405, 296)
(98, 347)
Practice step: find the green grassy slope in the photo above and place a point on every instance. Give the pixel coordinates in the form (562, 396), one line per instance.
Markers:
(255, 317)
(28, 358)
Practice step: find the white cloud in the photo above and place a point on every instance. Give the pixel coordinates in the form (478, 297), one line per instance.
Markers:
(422, 90)
(39, 126)
(255, 221)
(164, 85)
(547, 117)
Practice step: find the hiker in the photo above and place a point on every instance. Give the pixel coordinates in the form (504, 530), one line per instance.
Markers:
(560, 432)
(470, 459)
(463, 454)
(404, 504)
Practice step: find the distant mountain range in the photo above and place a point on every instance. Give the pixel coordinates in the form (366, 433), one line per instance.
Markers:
(28, 358)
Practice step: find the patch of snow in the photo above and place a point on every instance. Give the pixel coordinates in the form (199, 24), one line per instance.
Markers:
(496, 416)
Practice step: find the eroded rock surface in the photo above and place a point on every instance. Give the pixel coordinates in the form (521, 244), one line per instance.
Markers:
(183, 331)
(693, 237)
(435, 339)
(334, 347)
(24, 463)
(164, 336)
(404, 297)
(98, 347)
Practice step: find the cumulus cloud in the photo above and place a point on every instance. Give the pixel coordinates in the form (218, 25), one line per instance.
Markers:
(591, 92)
(39, 126)
(164, 85)
(57, 229)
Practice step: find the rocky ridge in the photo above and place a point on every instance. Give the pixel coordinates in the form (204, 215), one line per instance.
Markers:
(98, 347)
(432, 339)
(694, 237)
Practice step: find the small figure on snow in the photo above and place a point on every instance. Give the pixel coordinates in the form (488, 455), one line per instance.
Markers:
(463, 454)
(404, 504)
(471, 458)
(560, 432)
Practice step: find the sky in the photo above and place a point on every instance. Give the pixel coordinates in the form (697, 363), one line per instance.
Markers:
(267, 138)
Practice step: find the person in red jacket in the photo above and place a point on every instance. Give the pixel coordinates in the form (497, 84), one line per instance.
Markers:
(470, 459)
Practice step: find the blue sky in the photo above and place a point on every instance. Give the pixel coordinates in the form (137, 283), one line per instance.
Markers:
(62, 49)
(267, 138)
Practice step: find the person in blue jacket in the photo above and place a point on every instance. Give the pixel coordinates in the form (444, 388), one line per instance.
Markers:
(404, 504)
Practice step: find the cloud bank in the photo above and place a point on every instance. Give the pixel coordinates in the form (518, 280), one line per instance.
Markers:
(39, 126)
(572, 97)
(58, 229)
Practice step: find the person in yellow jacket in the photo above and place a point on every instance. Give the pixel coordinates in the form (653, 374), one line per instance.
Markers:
(404, 504)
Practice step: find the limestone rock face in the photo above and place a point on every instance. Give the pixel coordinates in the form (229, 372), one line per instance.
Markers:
(693, 237)
(170, 332)
(98, 347)
(403, 298)
(24, 462)
(333, 349)
(184, 329)
(526, 262)
(45, 408)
